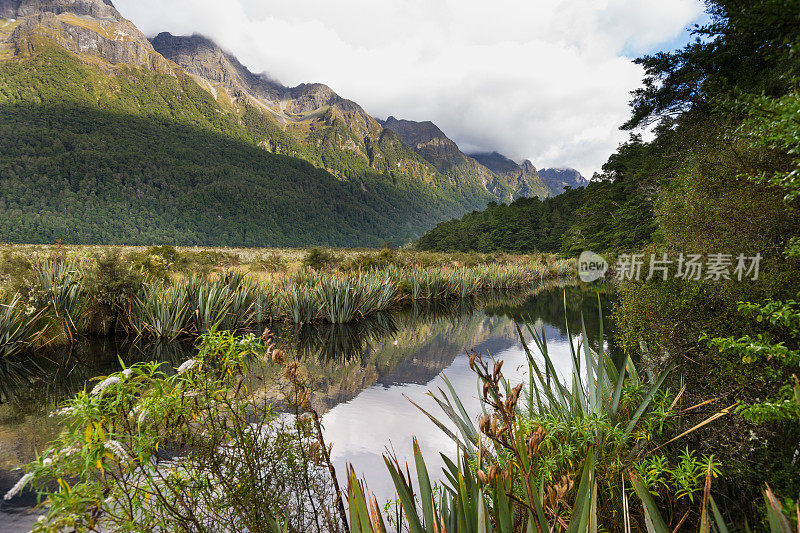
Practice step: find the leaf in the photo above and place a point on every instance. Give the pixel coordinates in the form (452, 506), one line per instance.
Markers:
(653, 520)
(406, 495)
(581, 516)
(719, 521)
(425, 491)
(778, 523)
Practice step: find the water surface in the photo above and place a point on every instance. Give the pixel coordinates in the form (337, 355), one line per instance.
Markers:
(363, 376)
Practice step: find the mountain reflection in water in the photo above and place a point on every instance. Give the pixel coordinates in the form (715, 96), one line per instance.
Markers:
(361, 374)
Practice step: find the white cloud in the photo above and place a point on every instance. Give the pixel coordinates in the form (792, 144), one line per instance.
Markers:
(540, 79)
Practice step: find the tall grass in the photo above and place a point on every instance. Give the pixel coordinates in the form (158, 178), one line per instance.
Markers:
(300, 303)
(162, 312)
(208, 301)
(70, 301)
(59, 288)
(19, 328)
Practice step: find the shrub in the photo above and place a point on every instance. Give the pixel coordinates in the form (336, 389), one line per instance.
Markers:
(319, 259)
(156, 449)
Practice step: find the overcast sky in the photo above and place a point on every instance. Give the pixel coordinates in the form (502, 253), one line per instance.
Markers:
(546, 80)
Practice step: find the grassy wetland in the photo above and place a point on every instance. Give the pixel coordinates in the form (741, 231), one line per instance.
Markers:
(52, 295)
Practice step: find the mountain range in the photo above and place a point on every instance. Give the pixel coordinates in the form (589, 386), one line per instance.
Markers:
(108, 136)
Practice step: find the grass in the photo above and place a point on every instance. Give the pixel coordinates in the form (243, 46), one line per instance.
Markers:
(163, 292)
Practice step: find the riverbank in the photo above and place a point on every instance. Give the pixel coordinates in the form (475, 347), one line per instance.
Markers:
(53, 295)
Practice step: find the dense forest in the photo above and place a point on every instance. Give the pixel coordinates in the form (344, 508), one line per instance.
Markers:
(721, 176)
(605, 215)
(144, 157)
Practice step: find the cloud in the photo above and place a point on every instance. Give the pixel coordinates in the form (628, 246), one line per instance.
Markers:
(546, 80)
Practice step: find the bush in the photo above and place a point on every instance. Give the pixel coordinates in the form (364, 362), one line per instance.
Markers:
(114, 467)
(373, 261)
(319, 259)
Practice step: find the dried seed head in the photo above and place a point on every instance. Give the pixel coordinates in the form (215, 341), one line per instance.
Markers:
(494, 470)
(515, 392)
(291, 371)
(266, 335)
(535, 440)
(278, 357)
(498, 366)
(482, 477)
(483, 424)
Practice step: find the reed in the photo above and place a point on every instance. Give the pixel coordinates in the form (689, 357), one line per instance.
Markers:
(300, 303)
(340, 298)
(209, 303)
(19, 327)
(266, 304)
(59, 290)
(241, 311)
(162, 312)
(380, 293)
(66, 292)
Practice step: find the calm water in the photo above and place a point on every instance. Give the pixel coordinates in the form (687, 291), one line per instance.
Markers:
(361, 375)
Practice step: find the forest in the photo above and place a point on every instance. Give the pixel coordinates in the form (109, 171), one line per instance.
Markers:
(144, 158)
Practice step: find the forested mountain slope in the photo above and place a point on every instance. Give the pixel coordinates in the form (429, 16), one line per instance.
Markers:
(105, 140)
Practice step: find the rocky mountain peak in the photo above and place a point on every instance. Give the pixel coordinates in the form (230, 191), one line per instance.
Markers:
(415, 133)
(559, 178)
(99, 9)
(528, 167)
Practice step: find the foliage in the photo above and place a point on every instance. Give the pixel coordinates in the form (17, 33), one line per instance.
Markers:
(769, 351)
(150, 450)
(613, 213)
(19, 327)
(552, 458)
(319, 259)
(142, 158)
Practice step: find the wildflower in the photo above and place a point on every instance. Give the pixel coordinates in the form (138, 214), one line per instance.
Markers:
(115, 447)
(66, 452)
(47, 462)
(30, 310)
(186, 366)
(127, 373)
(19, 486)
(66, 411)
(106, 383)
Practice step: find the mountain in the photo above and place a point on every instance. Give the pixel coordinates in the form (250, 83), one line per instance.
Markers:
(103, 139)
(436, 148)
(311, 121)
(107, 136)
(558, 178)
(524, 178)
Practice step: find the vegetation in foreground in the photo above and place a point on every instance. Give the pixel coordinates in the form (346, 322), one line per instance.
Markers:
(189, 449)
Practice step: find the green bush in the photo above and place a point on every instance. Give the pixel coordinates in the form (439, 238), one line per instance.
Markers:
(112, 468)
(320, 259)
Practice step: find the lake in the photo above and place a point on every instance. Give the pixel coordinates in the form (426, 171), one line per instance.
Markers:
(363, 375)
